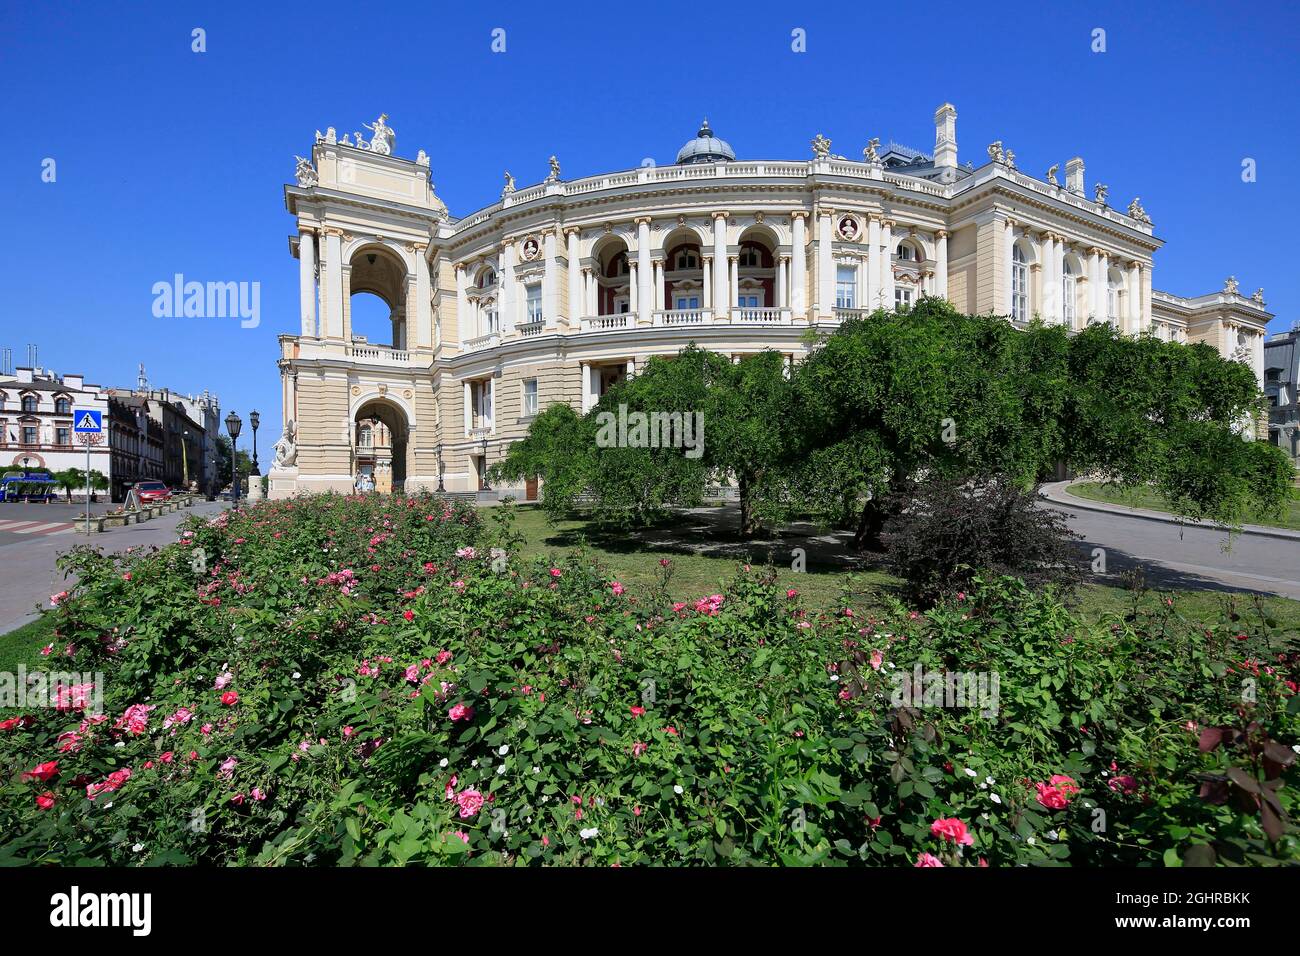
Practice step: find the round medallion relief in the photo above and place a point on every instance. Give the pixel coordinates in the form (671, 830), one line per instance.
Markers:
(848, 228)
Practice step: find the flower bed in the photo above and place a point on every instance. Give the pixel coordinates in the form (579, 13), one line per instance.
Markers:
(349, 680)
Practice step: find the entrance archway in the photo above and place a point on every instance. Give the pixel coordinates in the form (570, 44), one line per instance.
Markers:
(380, 435)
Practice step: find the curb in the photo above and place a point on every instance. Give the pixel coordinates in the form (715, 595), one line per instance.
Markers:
(1058, 493)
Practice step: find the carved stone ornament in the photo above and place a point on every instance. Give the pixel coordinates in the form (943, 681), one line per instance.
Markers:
(356, 389)
(286, 449)
(305, 173)
(530, 248)
(821, 146)
(384, 138)
(1230, 286)
(848, 228)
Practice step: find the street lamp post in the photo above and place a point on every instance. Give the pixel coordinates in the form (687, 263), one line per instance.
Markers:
(486, 486)
(185, 459)
(439, 449)
(255, 419)
(233, 425)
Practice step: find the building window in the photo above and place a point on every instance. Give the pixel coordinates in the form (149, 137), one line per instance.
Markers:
(902, 298)
(1067, 295)
(489, 318)
(747, 301)
(29, 403)
(1019, 285)
(64, 434)
(367, 438)
(62, 406)
(686, 260)
(530, 397)
(905, 253)
(1112, 303)
(846, 287)
(535, 302)
(29, 434)
(687, 302)
(750, 257)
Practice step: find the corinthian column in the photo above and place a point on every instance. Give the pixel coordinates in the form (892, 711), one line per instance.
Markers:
(307, 281)
(645, 297)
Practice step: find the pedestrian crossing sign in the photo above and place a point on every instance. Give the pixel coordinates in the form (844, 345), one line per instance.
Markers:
(88, 420)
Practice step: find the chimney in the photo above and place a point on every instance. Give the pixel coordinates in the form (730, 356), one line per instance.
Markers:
(1074, 175)
(945, 140)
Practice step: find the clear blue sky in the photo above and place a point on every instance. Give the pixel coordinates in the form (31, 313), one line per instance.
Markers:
(170, 161)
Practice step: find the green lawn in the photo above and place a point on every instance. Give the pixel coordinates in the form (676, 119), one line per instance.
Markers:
(695, 575)
(1147, 498)
(23, 646)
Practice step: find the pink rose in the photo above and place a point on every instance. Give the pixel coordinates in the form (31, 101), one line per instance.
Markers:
(952, 830)
(927, 859)
(470, 802)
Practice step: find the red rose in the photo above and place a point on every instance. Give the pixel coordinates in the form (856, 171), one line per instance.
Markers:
(43, 771)
(230, 698)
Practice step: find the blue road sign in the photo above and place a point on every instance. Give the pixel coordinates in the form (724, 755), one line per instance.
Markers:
(88, 421)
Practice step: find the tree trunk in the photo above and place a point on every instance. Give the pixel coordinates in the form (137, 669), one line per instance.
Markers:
(746, 515)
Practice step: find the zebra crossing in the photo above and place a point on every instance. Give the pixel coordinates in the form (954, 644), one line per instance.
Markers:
(35, 527)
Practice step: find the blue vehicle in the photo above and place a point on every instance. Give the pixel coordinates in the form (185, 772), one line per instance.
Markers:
(28, 486)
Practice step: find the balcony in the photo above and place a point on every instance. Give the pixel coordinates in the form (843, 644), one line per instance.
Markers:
(378, 354)
(480, 430)
(480, 342)
(683, 316)
(602, 323)
(847, 315)
(531, 329)
(770, 316)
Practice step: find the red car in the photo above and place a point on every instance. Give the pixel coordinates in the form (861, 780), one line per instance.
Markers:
(151, 491)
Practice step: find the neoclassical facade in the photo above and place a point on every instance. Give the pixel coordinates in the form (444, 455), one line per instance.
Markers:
(558, 290)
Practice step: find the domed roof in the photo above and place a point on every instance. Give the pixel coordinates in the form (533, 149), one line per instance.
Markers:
(706, 148)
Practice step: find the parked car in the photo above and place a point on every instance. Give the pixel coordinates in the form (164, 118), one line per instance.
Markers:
(147, 492)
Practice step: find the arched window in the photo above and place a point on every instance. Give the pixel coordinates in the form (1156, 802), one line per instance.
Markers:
(1019, 285)
(906, 253)
(619, 266)
(29, 403)
(487, 278)
(750, 257)
(686, 259)
(62, 406)
(366, 439)
(1067, 294)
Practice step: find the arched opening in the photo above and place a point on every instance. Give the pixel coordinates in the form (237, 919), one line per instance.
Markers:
(485, 318)
(1114, 289)
(754, 282)
(1021, 257)
(613, 290)
(683, 278)
(379, 444)
(1071, 269)
(377, 297)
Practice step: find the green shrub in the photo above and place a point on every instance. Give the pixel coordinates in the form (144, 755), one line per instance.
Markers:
(338, 681)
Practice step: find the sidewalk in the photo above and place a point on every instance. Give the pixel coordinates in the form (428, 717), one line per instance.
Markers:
(31, 575)
(1058, 492)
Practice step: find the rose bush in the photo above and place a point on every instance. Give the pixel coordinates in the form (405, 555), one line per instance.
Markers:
(338, 680)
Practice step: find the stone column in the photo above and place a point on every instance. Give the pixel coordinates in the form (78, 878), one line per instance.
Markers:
(506, 289)
(576, 286)
(550, 280)
(1008, 249)
(423, 311)
(733, 269)
(941, 263)
(871, 293)
(798, 264)
(1146, 299)
(825, 265)
(887, 262)
(332, 281)
(462, 303)
(469, 413)
(657, 298)
(582, 306)
(584, 379)
(1133, 299)
(719, 262)
(707, 300)
(1051, 278)
(782, 264)
(307, 281)
(633, 289)
(645, 296)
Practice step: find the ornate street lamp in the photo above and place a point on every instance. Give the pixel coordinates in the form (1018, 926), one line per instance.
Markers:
(439, 450)
(486, 486)
(233, 425)
(255, 419)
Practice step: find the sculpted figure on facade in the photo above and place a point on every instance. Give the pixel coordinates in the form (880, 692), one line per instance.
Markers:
(286, 449)
(995, 151)
(1258, 297)
(555, 171)
(821, 147)
(384, 138)
(1100, 191)
(304, 172)
(1230, 286)
(509, 186)
(1137, 212)
(1051, 174)
(871, 154)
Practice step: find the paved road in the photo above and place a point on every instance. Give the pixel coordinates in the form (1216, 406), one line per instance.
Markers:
(27, 562)
(1186, 556)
